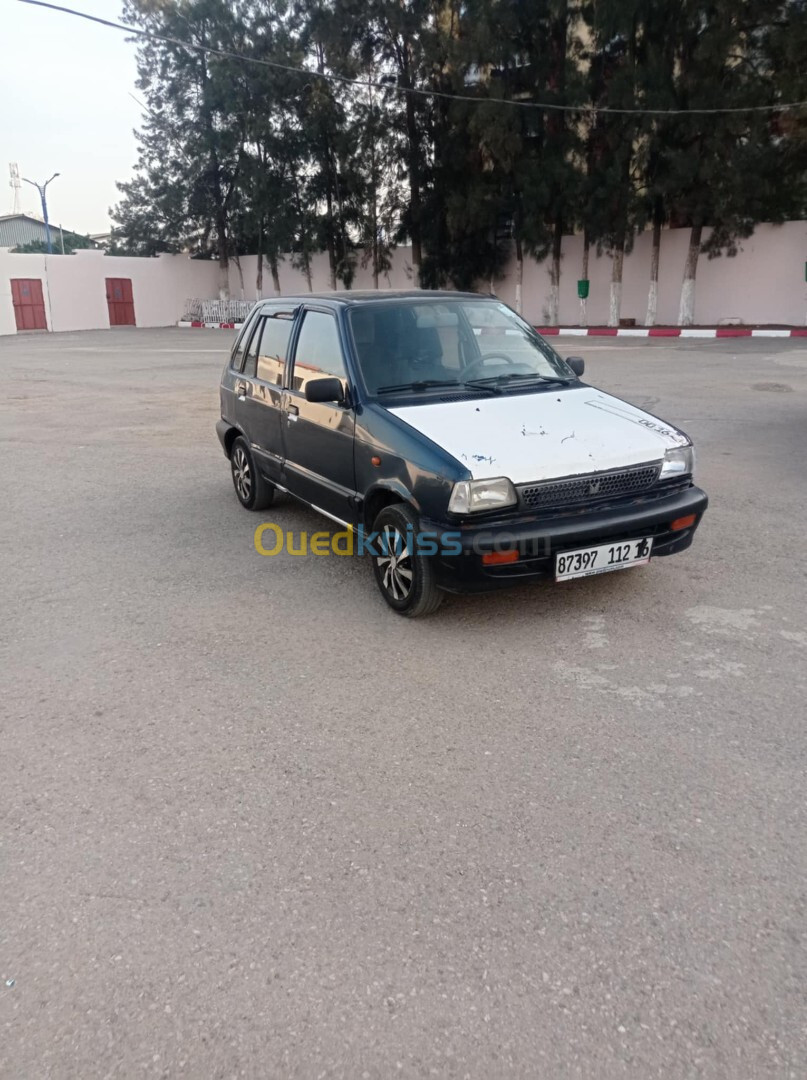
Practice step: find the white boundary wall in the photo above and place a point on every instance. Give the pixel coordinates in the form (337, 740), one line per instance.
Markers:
(74, 287)
(764, 283)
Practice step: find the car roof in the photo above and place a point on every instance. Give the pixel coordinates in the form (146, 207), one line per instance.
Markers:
(352, 299)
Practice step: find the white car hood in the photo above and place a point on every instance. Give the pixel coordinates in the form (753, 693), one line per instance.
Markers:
(543, 435)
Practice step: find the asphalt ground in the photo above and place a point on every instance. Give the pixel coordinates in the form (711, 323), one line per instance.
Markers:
(254, 824)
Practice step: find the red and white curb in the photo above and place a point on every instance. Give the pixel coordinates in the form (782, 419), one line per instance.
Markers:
(601, 331)
(669, 331)
(197, 325)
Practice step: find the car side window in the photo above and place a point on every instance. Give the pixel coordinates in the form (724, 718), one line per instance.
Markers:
(319, 351)
(237, 359)
(251, 356)
(274, 346)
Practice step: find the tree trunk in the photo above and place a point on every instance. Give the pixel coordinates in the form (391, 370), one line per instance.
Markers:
(615, 300)
(304, 259)
(224, 276)
(330, 242)
(222, 237)
(237, 261)
(259, 277)
(374, 178)
(554, 273)
(517, 231)
(519, 274)
(376, 252)
(686, 311)
(404, 62)
(586, 249)
(413, 163)
(341, 236)
(223, 245)
(275, 274)
(655, 255)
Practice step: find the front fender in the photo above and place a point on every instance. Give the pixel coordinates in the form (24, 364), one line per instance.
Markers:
(391, 456)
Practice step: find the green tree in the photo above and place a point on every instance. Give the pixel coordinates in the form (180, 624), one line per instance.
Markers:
(655, 89)
(405, 37)
(327, 117)
(381, 153)
(612, 212)
(337, 151)
(264, 218)
(504, 170)
(71, 241)
(192, 146)
(731, 171)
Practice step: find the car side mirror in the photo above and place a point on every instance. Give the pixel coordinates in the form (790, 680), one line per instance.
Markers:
(577, 364)
(329, 389)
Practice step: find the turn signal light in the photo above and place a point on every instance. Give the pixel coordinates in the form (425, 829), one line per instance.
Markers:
(683, 523)
(499, 558)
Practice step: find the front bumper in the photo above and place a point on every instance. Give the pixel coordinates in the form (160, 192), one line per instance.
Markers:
(538, 539)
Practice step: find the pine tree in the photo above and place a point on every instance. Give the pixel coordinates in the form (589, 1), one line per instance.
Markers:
(380, 154)
(612, 210)
(655, 90)
(506, 170)
(192, 145)
(335, 153)
(731, 171)
(266, 220)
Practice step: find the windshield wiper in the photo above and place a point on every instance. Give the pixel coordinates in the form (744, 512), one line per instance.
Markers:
(484, 384)
(420, 384)
(522, 376)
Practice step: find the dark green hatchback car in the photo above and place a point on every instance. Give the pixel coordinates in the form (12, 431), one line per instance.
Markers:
(461, 449)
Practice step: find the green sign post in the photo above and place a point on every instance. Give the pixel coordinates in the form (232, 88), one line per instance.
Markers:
(582, 292)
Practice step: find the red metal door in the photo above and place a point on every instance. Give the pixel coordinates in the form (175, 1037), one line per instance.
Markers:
(120, 301)
(29, 305)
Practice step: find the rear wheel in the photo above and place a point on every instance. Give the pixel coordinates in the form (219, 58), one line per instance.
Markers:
(253, 492)
(405, 578)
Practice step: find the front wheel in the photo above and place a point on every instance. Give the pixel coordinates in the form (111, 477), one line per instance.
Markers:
(405, 578)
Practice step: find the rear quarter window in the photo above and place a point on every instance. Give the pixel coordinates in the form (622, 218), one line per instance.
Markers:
(237, 358)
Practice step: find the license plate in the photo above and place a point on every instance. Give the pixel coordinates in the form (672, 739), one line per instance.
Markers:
(601, 559)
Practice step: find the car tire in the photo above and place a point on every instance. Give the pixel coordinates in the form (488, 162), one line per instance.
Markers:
(406, 581)
(252, 491)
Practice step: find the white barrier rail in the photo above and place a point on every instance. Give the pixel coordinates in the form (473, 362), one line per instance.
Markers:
(217, 311)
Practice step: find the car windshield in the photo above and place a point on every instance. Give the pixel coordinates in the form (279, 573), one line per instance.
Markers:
(422, 347)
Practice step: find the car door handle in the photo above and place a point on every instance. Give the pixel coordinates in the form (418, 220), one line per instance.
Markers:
(293, 412)
(241, 390)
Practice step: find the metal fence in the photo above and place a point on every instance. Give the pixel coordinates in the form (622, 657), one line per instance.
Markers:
(217, 311)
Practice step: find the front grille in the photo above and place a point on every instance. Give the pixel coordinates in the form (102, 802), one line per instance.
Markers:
(594, 488)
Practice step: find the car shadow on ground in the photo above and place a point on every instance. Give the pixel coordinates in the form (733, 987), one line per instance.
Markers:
(542, 599)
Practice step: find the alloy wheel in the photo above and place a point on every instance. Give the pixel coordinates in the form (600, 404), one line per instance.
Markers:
(395, 563)
(242, 477)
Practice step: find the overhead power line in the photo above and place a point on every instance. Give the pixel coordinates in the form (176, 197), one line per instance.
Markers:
(363, 84)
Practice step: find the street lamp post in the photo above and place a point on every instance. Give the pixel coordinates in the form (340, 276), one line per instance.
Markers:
(42, 188)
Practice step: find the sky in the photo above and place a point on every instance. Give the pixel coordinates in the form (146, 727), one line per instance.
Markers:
(64, 91)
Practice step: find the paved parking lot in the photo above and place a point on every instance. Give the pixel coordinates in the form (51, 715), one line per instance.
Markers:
(255, 824)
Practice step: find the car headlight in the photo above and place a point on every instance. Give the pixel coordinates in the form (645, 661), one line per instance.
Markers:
(678, 462)
(470, 496)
